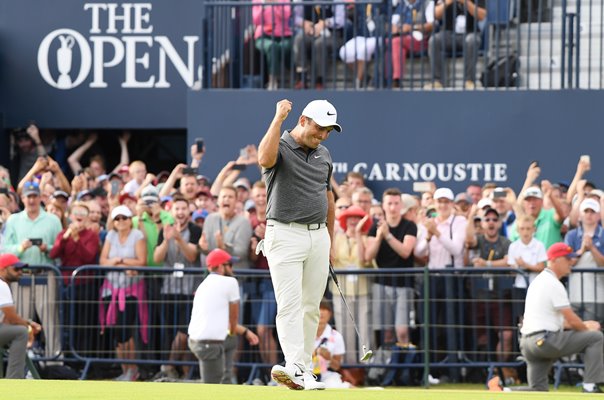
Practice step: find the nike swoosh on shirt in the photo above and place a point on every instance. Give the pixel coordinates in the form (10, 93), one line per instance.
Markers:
(317, 156)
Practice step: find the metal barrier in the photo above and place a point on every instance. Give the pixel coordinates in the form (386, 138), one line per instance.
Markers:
(462, 322)
(522, 45)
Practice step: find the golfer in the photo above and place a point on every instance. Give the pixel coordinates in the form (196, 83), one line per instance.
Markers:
(299, 231)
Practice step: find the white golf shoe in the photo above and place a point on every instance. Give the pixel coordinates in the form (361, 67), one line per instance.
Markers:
(291, 377)
(311, 383)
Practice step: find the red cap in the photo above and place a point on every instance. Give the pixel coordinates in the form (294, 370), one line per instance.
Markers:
(125, 196)
(560, 250)
(10, 260)
(218, 257)
(354, 211)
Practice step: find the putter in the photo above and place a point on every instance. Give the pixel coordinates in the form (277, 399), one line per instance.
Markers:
(367, 354)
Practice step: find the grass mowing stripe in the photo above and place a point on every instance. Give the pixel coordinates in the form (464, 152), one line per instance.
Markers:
(108, 390)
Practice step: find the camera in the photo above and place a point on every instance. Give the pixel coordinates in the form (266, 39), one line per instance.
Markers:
(189, 171)
(199, 143)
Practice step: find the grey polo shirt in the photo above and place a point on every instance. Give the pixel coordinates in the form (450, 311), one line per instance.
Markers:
(297, 184)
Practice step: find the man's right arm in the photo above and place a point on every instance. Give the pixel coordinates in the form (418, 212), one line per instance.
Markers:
(268, 150)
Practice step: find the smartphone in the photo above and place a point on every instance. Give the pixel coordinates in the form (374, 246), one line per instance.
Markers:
(586, 158)
(4, 191)
(36, 242)
(243, 153)
(239, 167)
(422, 187)
(199, 143)
(189, 171)
(115, 187)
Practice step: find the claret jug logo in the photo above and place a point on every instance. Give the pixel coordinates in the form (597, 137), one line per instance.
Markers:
(120, 37)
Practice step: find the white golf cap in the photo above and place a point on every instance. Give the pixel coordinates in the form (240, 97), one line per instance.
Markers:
(482, 203)
(443, 193)
(590, 204)
(323, 113)
(121, 210)
(533, 192)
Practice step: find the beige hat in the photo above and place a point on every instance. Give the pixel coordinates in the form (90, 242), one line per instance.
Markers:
(408, 203)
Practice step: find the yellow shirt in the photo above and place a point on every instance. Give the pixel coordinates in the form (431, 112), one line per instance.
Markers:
(346, 257)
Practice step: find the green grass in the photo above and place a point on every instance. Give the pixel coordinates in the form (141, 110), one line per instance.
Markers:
(107, 390)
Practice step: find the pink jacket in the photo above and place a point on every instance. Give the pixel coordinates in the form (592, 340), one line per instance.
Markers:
(271, 20)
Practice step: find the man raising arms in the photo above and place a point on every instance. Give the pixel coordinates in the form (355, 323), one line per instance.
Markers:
(300, 223)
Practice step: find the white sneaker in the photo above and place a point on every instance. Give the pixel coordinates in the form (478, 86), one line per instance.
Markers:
(291, 377)
(311, 383)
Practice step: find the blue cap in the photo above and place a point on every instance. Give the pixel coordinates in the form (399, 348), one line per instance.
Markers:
(83, 194)
(200, 214)
(163, 199)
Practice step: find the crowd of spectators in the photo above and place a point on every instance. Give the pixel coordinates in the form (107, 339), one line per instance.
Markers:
(308, 39)
(132, 218)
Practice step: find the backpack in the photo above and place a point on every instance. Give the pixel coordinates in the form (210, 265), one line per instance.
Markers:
(502, 72)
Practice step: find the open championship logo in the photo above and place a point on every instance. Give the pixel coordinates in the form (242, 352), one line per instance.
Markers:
(131, 50)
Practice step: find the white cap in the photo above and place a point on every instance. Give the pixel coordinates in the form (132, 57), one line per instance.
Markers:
(121, 210)
(595, 193)
(533, 192)
(242, 182)
(482, 203)
(323, 113)
(443, 193)
(150, 194)
(590, 204)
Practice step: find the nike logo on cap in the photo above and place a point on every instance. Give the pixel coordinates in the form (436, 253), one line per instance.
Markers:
(330, 114)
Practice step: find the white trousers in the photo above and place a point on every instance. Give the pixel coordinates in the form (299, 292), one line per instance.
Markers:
(298, 259)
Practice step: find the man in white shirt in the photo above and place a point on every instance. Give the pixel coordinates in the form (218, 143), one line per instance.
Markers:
(551, 329)
(14, 330)
(214, 316)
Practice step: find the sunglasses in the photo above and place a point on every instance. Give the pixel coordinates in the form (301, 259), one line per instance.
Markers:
(491, 219)
(120, 218)
(79, 214)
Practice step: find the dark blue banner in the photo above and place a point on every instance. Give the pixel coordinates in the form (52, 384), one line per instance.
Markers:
(79, 64)
(395, 138)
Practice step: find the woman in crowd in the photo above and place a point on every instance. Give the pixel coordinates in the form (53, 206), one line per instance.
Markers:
(349, 245)
(273, 36)
(123, 292)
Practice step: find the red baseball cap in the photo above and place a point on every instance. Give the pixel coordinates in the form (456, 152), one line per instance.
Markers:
(560, 250)
(125, 196)
(218, 257)
(10, 260)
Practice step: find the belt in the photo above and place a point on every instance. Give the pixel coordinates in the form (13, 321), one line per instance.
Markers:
(209, 341)
(528, 335)
(311, 227)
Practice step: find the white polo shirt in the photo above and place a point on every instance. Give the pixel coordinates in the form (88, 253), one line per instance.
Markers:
(6, 299)
(545, 298)
(210, 314)
(532, 254)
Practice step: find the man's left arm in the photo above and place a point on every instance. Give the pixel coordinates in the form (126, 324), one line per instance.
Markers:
(572, 320)
(331, 217)
(474, 10)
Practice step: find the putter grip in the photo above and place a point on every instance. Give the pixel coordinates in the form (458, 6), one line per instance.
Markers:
(334, 277)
